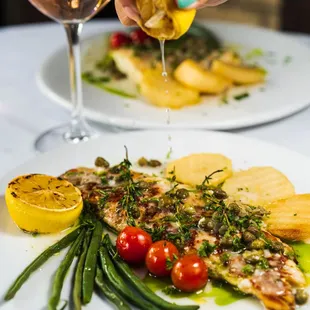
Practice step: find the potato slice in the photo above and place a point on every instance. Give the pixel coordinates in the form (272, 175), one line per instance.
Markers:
(190, 74)
(230, 57)
(238, 74)
(130, 65)
(290, 218)
(166, 92)
(259, 186)
(194, 168)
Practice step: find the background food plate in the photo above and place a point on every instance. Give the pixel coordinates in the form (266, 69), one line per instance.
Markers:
(18, 248)
(286, 91)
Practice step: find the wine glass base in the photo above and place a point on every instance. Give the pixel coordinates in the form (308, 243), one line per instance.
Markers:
(61, 135)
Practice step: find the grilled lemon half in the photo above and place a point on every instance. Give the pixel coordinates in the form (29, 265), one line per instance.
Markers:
(161, 19)
(43, 204)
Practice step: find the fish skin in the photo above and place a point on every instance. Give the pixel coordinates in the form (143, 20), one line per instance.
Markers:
(274, 287)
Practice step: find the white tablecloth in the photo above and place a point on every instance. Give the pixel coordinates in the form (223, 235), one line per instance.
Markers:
(25, 112)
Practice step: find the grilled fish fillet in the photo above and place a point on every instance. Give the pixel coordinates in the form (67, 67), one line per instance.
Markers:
(230, 236)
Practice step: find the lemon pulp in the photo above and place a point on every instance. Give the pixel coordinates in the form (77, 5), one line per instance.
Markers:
(43, 204)
(163, 20)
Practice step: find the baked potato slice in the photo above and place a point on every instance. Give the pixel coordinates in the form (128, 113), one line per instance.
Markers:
(238, 74)
(166, 92)
(190, 74)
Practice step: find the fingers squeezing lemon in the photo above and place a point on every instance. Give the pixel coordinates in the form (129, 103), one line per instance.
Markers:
(43, 204)
(162, 19)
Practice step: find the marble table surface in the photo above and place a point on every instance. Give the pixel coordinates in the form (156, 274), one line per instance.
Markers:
(25, 112)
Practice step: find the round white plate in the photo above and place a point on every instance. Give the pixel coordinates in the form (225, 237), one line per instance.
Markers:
(286, 91)
(18, 249)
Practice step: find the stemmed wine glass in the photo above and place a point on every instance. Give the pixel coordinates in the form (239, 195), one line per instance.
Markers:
(72, 14)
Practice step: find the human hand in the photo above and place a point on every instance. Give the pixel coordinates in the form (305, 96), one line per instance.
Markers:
(129, 15)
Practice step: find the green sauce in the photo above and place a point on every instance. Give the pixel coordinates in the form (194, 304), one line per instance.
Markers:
(105, 84)
(222, 294)
(302, 251)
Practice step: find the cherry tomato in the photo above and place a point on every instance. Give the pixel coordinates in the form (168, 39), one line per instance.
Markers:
(160, 258)
(189, 273)
(119, 39)
(138, 36)
(132, 244)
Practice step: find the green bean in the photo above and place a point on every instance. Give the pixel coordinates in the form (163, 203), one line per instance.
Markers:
(89, 272)
(62, 271)
(118, 283)
(39, 261)
(141, 287)
(114, 297)
(77, 287)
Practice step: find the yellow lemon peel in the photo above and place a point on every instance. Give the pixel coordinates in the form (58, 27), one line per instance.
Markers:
(43, 204)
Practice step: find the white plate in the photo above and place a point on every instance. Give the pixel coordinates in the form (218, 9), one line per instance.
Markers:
(18, 249)
(286, 92)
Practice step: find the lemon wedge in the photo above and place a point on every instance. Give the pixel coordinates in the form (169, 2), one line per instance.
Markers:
(43, 204)
(163, 20)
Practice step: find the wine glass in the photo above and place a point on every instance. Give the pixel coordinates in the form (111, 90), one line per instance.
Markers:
(72, 14)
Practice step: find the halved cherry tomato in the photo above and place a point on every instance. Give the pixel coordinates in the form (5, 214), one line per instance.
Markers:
(160, 258)
(132, 244)
(138, 36)
(189, 273)
(119, 39)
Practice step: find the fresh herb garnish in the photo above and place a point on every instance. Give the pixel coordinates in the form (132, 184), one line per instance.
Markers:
(206, 249)
(242, 96)
(170, 263)
(248, 269)
(287, 59)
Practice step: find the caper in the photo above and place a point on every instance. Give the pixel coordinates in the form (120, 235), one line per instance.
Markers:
(165, 201)
(248, 237)
(189, 210)
(253, 230)
(216, 216)
(154, 163)
(243, 213)
(115, 170)
(202, 223)
(101, 162)
(301, 296)
(142, 162)
(135, 212)
(252, 257)
(259, 211)
(223, 230)
(226, 242)
(219, 194)
(182, 193)
(277, 247)
(209, 225)
(233, 207)
(258, 244)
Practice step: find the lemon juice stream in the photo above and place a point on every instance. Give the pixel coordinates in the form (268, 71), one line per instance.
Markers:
(165, 76)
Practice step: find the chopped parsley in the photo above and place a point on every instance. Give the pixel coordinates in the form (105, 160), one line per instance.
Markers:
(206, 249)
(241, 96)
(263, 263)
(287, 60)
(248, 269)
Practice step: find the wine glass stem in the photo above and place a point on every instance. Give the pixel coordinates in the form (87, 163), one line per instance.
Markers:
(79, 129)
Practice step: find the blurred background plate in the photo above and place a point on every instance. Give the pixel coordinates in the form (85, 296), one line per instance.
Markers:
(286, 91)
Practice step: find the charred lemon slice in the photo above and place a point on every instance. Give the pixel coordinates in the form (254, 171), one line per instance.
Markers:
(161, 19)
(43, 204)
